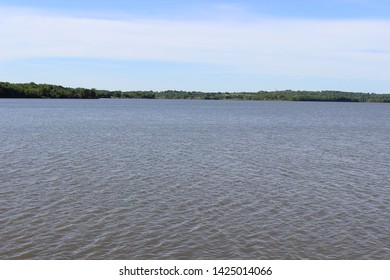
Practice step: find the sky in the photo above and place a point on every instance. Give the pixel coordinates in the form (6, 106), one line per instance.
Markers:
(202, 45)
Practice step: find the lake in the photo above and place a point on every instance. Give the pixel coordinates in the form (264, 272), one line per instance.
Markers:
(191, 179)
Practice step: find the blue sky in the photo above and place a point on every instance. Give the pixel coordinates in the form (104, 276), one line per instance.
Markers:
(198, 45)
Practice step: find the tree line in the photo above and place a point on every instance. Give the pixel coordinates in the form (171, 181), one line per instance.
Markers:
(32, 90)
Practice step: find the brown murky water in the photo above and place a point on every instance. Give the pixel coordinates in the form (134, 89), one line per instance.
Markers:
(160, 179)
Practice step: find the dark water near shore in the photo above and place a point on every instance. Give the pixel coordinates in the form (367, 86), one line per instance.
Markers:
(175, 179)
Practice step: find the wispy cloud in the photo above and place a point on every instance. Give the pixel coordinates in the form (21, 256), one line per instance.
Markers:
(303, 47)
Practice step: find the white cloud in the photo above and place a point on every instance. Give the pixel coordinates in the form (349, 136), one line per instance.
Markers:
(327, 48)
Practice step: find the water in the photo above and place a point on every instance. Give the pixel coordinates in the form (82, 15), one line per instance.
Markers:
(176, 179)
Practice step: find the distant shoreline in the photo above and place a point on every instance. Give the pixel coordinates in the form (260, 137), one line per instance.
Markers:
(32, 90)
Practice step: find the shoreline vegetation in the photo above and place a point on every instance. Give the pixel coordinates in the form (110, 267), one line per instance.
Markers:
(32, 90)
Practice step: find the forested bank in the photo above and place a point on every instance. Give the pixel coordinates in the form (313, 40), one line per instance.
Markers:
(32, 90)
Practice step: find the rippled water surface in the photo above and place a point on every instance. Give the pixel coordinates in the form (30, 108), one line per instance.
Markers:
(166, 179)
